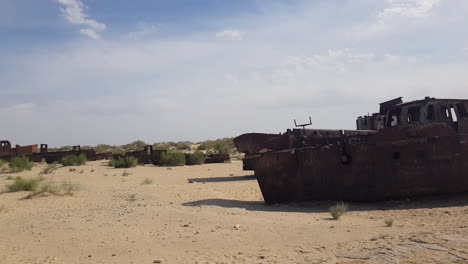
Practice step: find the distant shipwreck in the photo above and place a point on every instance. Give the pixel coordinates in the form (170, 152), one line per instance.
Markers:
(404, 150)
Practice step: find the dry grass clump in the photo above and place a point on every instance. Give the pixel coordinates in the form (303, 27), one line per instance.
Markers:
(50, 168)
(389, 222)
(126, 173)
(2, 164)
(147, 181)
(19, 164)
(338, 210)
(55, 188)
(132, 198)
(21, 184)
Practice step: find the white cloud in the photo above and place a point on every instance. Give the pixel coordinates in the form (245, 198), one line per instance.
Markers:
(399, 14)
(232, 34)
(73, 11)
(163, 88)
(409, 8)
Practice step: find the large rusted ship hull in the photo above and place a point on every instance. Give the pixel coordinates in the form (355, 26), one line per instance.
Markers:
(396, 163)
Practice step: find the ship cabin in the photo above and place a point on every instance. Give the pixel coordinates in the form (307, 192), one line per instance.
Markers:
(453, 112)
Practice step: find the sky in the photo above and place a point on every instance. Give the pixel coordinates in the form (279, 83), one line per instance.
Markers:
(113, 71)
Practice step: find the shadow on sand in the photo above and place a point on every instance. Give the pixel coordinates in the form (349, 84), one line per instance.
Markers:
(224, 179)
(439, 201)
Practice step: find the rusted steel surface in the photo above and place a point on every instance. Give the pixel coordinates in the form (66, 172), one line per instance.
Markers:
(36, 154)
(146, 156)
(421, 149)
(217, 158)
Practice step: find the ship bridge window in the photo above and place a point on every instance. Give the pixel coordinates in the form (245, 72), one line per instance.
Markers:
(430, 112)
(453, 114)
(393, 117)
(444, 112)
(413, 114)
(463, 109)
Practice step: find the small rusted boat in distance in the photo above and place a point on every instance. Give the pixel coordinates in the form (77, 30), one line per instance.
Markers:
(405, 150)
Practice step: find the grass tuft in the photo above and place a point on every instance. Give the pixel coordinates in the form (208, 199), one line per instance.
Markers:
(338, 210)
(73, 160)
(21, 184)
(123, 162)
(131, 198)
(50, 168)
(19, 164)
(147, 181)
(388, 222)
(126, 173)
(197, 158)
(55, 188)
(172, 159)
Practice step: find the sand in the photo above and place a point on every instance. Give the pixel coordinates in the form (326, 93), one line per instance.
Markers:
(214, 213)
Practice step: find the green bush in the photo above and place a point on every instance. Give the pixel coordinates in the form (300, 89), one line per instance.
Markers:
(123, 162)
(18, 164)
(172, 159)
(338, 210)
(183, 145)
(73, 160)
(220, 146)
(2, 163)
(21, 184)
(196, 158)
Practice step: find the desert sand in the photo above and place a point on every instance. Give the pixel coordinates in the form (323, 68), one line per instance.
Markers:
(214, 213)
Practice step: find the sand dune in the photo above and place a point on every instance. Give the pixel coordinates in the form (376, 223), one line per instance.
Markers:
(214, 214)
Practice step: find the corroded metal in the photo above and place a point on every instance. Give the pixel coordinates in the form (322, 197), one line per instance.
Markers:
(146, 156)
(407, 149)
(36, 154)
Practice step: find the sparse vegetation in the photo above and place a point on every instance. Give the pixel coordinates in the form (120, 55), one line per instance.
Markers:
(126, 173)
(50, 168)
(2, 163)
(71, 169)
(219, 146)
(131, 198)
(338, 210)
(172, 159)
(19, 164)
(55, 188)
(123, 162)
(73, 160)
(147, 181)
(196, 158)
(81, 171)
(21, 184)
(388, 222)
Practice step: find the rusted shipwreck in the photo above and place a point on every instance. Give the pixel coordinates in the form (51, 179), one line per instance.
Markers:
(406, 149)
(38, 154)
(149, 155)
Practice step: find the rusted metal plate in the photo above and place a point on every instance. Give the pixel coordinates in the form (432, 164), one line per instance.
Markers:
(416, 148)
(36, 154)
(146, 156)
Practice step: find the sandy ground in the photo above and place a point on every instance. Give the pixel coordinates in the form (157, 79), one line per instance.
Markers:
(214, 214)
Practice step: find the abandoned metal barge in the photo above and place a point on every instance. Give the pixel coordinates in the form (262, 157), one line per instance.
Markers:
(406, 149)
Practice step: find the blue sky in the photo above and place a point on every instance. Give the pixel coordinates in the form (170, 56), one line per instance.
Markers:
(112, 71)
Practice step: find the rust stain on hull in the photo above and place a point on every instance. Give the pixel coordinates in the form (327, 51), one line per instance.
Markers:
(413, 158)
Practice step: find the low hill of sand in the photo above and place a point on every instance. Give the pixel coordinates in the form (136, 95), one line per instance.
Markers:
(214, 213)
